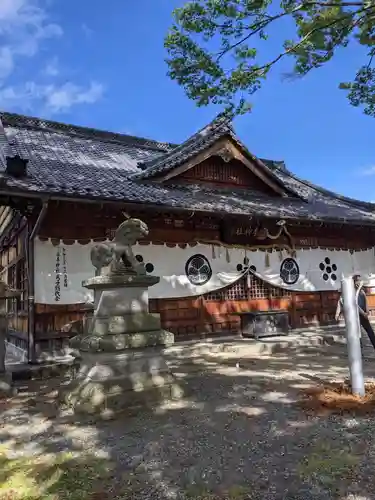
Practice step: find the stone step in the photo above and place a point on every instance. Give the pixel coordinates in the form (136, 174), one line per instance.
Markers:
(189, 355)
(296, 341)
(63, 367)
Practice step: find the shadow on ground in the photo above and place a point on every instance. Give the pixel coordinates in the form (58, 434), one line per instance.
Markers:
(237, 434)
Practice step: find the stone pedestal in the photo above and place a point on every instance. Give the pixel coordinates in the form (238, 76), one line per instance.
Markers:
(122, 358)
(121, 318)
(107, 383)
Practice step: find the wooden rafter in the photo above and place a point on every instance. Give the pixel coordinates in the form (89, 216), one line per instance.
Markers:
(227, 150)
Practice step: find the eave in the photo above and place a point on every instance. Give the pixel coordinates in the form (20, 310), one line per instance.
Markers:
(40, 197)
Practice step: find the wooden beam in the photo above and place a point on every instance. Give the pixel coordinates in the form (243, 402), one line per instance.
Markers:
(6, 214)
(223, 147)
(256, 170)
(199, 158)
(3, 209)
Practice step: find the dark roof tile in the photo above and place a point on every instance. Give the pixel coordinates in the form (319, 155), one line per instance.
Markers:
(10, 120)
(72, 161)
(192, 146)
(197, 143)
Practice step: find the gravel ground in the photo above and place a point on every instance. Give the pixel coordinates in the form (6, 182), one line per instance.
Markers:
(238, 434)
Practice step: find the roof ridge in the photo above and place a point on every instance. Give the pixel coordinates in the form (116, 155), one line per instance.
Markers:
(208, 129)
(218, 127)
(83, 170)
(35, 123)
(218, 124)
(322, 190)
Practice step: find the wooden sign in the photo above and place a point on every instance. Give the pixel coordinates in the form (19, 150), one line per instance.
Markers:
(206, 223)
(244, 231)
(242, 235)
(307, 242)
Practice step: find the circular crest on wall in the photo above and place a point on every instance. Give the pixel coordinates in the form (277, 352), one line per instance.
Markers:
(329, 269)
(289, 271)
(198, 270)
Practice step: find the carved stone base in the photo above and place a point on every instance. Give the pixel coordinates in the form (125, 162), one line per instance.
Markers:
(127, 323)
(6, 386)
(121, 341)
(107, 383)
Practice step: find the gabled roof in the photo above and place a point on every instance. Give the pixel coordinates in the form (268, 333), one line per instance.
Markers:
(77, 162)
(192, 146)
(198, 143)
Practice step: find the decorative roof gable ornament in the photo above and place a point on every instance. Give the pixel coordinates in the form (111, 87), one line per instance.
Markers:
(225, 154)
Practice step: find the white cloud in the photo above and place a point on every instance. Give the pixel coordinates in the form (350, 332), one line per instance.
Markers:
(69, 94)
(24, 25)
(6, 62)
(87, 30)
(53, 98)
(52, 67)
(368, 171)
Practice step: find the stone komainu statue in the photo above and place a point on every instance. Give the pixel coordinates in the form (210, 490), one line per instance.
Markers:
(118, 254)
(101, 256)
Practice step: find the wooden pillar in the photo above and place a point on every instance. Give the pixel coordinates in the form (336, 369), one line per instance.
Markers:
(32, 232)
(5, 378)
(293, 314)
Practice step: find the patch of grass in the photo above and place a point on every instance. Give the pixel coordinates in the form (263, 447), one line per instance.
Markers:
(236, 492)
(328, 466)
(199, 493)
(79, 476)
(59, 476)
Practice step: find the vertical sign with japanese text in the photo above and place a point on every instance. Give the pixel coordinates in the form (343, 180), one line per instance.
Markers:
(57, 276)
(60, 269)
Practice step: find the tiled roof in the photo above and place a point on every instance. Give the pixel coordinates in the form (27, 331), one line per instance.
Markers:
(273, 164)
(74, 160)
(83, 163)
(197, 143)
(32, 123)
(242, 201)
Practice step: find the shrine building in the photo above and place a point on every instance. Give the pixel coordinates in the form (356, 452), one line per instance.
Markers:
(230, 233)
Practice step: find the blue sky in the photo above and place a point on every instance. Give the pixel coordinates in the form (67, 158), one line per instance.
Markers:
(102, 65)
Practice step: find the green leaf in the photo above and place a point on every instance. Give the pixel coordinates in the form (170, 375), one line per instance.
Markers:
(216, 47)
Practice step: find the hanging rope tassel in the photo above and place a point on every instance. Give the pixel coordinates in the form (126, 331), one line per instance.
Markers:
(267, 260)
(213, 252)
(352, 263)
(227, 255)
(280, 255)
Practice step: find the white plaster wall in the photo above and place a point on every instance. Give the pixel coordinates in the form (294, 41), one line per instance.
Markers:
(226, 266)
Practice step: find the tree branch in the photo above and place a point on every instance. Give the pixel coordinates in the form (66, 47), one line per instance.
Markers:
(259, 28)
(341, 4)
(303, 40)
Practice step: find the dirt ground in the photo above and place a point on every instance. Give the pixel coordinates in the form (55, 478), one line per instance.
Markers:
(239, 433)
